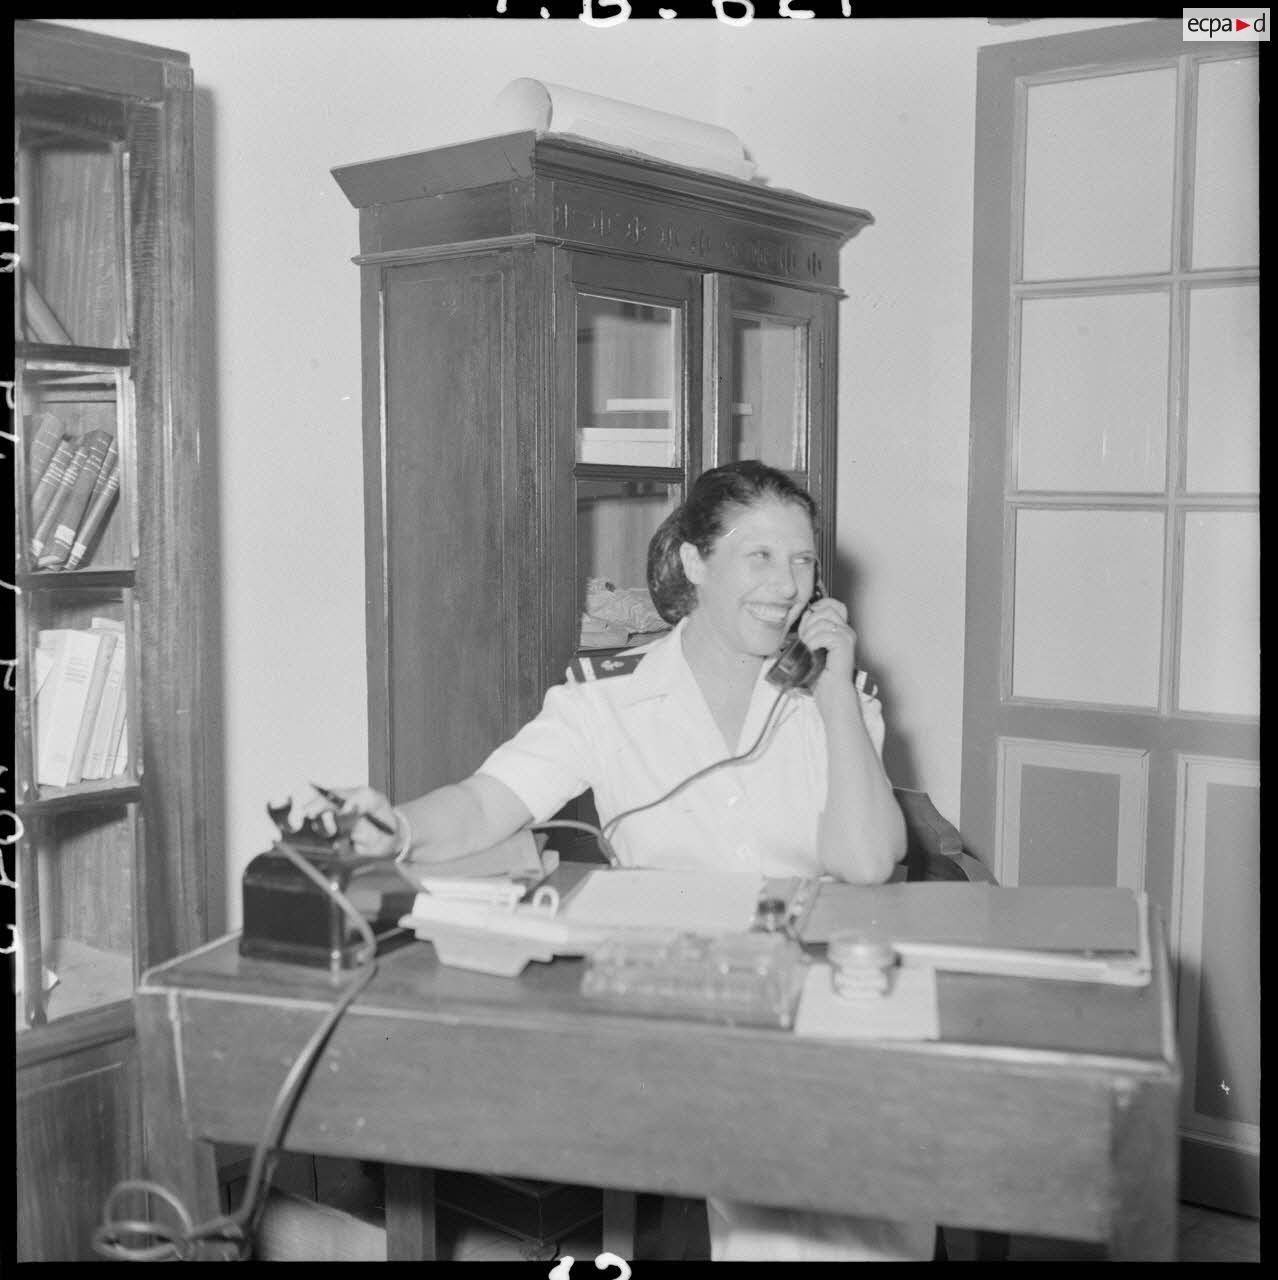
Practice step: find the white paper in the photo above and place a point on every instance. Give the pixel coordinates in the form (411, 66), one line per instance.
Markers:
(908, 1011)
(44, 663)
(543, 927)
(685, 901)
(544, 107)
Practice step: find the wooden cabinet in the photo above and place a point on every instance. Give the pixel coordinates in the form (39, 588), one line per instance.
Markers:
(110, 787)
(557, 338)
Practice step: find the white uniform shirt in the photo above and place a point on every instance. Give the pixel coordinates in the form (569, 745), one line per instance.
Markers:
(634, 735)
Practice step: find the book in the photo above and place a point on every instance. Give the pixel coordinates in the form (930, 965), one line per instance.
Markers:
(66, 482)
(96, 762)
(704, 902)
(109, 463)
(110, 633)
(48, 649)
(94, 445)
(61, 702)
(45, 439)
(44, 659)
(1080, 933)
(118, 747)
(102, 500)
(50, 480)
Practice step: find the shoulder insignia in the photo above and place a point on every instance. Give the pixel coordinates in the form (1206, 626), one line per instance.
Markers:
(584, 670)
(866, 683)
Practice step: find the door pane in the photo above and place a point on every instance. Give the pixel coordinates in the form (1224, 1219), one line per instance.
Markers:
(74, 228)
(1227, 165)
(77, 902)
(1093, 396)
(769, 392)
(1069, 826)
(615, 521)
(76, 422)
(81, 919)
(628, 413)
(1220, 619)
(1098, 210)
(1087, 609)
(1223, 454)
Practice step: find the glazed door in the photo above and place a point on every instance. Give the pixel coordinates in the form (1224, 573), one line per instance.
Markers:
(1112, 649)
(630, 428)
(770, 382)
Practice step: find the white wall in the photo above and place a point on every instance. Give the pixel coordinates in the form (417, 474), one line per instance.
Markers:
(877, 114)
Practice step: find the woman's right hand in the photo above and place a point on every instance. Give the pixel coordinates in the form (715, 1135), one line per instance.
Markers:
(366, 838)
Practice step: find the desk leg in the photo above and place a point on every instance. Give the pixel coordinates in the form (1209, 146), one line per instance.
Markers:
(410, 1214)
(619, 1223)
(1145, 1157)
(184, 1165)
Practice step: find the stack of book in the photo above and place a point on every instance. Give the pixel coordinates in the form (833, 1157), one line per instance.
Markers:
(74, 483)
(81, 704)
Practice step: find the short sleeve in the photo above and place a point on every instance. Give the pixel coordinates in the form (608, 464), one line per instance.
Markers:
(547, 762)
(871, 709)
(872, 714)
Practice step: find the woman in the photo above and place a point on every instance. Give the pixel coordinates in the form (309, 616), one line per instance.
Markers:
(733, 569)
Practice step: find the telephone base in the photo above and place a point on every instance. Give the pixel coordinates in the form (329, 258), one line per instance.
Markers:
(289, 918)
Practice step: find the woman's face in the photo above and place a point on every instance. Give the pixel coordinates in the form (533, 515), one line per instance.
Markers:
(757, 578)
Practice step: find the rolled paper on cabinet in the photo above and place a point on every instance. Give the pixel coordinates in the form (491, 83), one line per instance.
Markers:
(554, 108)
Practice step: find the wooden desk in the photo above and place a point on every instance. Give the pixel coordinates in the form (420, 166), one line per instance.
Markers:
(1047, 1107)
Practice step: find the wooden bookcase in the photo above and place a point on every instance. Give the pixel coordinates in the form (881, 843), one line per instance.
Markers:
(557, 338)
(110, 863)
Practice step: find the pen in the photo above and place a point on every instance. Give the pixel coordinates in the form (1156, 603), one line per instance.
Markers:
(333, 798)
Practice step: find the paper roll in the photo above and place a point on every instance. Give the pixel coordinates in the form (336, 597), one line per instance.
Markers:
(547, 108)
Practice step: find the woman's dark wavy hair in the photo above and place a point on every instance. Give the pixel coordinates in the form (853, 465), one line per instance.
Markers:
(701, 521)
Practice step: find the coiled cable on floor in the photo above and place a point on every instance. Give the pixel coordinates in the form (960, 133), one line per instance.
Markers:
(229, 1237)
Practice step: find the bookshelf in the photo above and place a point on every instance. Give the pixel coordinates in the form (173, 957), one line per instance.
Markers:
(111, 784)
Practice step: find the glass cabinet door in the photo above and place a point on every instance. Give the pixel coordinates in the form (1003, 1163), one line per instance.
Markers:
(634, 443)
(77, 785)
(616, 518)
(769, 352)
(629, 362)
(767, 417)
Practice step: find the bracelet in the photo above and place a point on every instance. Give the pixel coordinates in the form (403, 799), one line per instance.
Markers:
(406, 847)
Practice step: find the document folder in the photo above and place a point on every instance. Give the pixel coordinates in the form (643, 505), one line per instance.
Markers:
(1074, 933)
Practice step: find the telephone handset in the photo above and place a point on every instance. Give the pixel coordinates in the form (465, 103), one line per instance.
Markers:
(797, 666)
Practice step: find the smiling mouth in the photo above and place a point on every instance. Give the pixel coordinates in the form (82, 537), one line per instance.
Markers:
(769, 615)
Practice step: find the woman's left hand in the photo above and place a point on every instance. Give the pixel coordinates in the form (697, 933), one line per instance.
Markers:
(825, 626)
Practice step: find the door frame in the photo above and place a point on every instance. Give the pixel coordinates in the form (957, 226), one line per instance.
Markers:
(1212, 1171)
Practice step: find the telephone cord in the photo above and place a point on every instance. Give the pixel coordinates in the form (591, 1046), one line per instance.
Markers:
(710, 768)
(602, 834)
(229, 1236)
